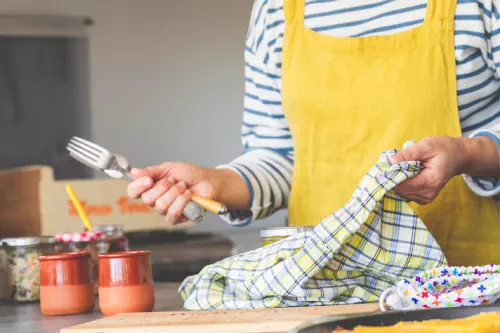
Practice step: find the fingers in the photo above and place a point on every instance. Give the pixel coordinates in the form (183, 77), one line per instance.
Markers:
(174, 213)
(155, 171)
(136, 188)
(139, 173)
(163, 202)
(415, 197)
(165, 187)
(165, 196)
(145, 178)
(397, 158)
(157, 190)
(419, 189)
(412, 152)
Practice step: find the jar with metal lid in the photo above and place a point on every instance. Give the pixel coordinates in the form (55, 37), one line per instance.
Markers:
(273, 235)
(24, 267)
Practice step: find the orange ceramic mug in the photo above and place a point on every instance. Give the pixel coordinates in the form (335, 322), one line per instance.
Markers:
(66, 284)
(125, 282)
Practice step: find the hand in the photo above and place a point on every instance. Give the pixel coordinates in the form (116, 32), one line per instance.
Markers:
(442, 158)
(168, 187)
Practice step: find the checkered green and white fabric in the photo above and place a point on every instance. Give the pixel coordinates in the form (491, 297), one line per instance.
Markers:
(355, 254)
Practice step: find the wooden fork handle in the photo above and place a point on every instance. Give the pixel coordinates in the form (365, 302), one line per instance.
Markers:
(210, 205)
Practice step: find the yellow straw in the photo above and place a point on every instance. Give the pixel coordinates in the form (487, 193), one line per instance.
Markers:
(78, 207)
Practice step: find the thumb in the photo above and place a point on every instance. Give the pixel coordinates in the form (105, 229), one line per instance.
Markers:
(410, 154)
(154, 172)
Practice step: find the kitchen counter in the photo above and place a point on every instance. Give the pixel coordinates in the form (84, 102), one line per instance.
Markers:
(27, 318)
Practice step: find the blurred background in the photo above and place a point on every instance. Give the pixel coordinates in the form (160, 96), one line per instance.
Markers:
(153, 80)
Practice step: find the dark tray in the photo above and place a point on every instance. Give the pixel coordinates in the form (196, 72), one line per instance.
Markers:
(329, 323)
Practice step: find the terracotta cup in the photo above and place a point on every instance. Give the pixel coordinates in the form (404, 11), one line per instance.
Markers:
(125, 282)
(66, 284)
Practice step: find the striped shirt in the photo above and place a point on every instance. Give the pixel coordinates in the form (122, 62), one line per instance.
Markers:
(267, 162)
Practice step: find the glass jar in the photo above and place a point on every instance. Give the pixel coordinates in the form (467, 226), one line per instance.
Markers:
(273, 235)
(4, 275)
(24, 267)
(114, 239)
(102, 239)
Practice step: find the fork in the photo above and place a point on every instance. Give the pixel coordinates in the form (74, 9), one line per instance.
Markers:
(117, 166)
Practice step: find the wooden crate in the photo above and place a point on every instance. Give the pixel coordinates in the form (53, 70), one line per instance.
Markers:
(32, 203)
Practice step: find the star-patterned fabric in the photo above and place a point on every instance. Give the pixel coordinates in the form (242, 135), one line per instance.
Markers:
(445, 287)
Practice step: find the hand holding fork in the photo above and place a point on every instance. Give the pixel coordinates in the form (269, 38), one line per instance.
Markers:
(117, 166)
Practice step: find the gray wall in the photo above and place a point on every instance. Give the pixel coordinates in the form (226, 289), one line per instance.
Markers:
(166, 80)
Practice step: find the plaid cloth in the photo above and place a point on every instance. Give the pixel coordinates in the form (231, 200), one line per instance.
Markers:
(354, 255)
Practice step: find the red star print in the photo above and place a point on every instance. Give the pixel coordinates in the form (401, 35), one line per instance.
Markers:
(426, 306)
(425, 294)
(459, 300)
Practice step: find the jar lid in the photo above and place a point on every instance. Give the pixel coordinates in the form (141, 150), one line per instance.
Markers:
(134, 253)
(28, 241)
(110, 229)
(86, 236)
(65, 256)
(283, 232)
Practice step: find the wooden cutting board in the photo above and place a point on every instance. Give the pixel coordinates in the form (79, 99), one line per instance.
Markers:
(235, 321)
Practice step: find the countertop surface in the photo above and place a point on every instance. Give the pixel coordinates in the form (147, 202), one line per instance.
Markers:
(27, 318)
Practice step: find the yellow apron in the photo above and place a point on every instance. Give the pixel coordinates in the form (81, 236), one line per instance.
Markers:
(348, 99)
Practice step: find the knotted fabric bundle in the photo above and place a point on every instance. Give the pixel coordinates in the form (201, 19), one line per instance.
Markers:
(355, 254)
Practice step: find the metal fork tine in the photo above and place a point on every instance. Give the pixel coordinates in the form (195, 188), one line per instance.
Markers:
(86, 147)
(89, 144)
(84, 151)
(83, 154)
(84, 161)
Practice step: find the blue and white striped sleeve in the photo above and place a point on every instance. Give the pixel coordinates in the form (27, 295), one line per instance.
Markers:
(486, 187)
(489, 187)
(267, 162)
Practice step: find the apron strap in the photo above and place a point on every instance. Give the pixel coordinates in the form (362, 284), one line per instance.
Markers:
(440, 10)
(294, 11)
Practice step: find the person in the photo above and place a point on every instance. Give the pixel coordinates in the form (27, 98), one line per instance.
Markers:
(329, 84)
